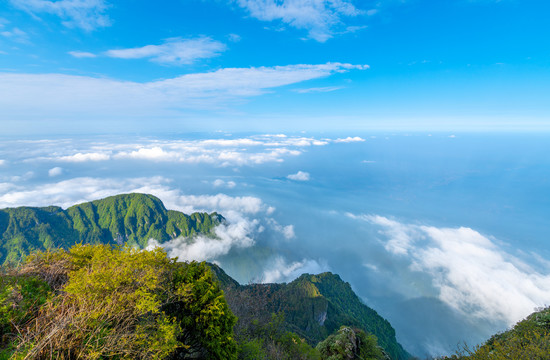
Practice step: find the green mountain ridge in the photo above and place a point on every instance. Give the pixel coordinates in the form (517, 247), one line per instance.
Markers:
(130, 219)
(314, 306)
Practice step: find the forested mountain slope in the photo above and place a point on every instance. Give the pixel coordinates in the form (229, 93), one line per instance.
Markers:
(130, 219)
(314, 306)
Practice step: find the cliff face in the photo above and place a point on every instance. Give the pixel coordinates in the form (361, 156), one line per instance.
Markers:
(314, 306)
(130, 219)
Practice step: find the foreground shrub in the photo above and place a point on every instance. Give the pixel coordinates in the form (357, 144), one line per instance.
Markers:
(119, 304)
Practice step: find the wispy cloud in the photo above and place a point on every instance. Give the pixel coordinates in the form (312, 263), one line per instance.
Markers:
(66, 96)
(14, 34)
(82, 54)
(174, 51)
(318, 89)
(234, 37)
(470, 271)
(85, 14)
(319, 18)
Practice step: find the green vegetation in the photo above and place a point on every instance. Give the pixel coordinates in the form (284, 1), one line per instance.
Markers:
(350, 343)
(529, 339)
(96, 302)
(314, 306)
(130, 219)
(272, 341)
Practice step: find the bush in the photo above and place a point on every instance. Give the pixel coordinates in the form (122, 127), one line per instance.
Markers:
(350, 343)
(124, 304)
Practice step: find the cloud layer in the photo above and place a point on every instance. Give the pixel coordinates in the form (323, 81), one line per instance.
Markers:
(470, 271)
(220, 152)
(65, 96)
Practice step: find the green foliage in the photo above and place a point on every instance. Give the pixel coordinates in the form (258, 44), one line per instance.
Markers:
(350, 343)
(130, 219)
(20, 298)
(271, 341)
(120, 304)
(529, 339)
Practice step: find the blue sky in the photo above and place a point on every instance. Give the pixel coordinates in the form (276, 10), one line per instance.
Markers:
(103, 66)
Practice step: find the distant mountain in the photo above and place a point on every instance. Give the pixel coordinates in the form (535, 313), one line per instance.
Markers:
(130, 219)
(314, 306)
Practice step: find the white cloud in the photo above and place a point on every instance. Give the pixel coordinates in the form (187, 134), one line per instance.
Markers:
(220, 202)
(281, 271)
(206, 152)
(82, 157)
(202, 248)
(349, 139)
(318, 17)
(299, 176)
(222, 183)
(85, 14)
(2, 162)
(82, 54)
(174, 51)
(286, 231)
(69, 192)
(29, 96)
(56, 171)
(249, 151)
(155, 153)
(318, 89)
(470, 271)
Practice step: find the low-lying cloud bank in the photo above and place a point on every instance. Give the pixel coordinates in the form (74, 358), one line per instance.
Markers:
(220, 152)
(203, 248)
(470, 271)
